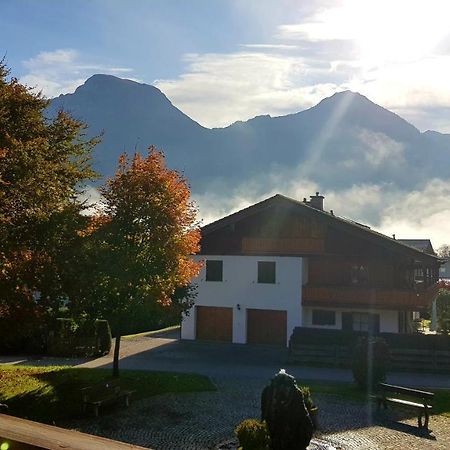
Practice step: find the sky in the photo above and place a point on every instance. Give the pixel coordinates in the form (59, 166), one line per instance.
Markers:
(226, 60)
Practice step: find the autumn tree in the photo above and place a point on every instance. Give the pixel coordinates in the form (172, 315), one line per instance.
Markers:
(142, 239)
(43, 164)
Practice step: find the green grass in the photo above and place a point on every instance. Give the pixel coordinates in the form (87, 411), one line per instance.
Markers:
(349, 391)
(152, 333)
(52, 394)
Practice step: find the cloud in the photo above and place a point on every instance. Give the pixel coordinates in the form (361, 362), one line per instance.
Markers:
(219, 89)
(370, 47)
(62, 71)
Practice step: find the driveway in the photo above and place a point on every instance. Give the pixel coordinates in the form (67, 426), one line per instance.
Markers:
(235, 361)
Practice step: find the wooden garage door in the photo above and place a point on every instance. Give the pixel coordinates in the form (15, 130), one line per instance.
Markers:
(214, 323)
(266, 326)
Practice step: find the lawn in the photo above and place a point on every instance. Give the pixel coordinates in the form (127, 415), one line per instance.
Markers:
(52, 394)
(349, 391)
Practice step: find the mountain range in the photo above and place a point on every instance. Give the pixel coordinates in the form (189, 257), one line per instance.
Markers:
(344, 140)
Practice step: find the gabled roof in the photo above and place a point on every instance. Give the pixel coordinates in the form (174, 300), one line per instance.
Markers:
(349, 225)
(423, 245)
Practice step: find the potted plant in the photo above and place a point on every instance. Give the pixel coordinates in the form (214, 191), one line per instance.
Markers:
(313, 410)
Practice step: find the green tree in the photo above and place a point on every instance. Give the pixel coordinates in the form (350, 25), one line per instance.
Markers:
(443, 310)
(43, 165)
(141, 243)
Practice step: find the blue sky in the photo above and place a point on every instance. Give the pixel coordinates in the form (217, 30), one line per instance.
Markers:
(226, 60)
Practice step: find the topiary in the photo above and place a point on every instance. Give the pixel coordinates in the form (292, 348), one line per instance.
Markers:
(370, 361)
(253, 435)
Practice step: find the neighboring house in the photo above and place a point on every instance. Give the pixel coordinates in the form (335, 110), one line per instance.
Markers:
(282, 263)
(444, 271)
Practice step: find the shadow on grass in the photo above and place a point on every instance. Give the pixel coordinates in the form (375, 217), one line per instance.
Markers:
(57, 396)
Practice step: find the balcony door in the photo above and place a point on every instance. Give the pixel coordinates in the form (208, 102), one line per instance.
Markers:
(363, 322)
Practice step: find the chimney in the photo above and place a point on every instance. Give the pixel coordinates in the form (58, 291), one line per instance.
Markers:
(316, 201)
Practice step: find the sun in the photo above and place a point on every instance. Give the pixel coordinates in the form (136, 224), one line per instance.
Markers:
(387, 31)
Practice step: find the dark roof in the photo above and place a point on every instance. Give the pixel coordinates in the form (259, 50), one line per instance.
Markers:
(423, 245)
(351, 225)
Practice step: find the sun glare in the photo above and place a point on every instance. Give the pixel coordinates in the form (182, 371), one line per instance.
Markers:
(386, 30)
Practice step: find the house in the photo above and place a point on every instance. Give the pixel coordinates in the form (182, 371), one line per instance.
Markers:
(283, 263)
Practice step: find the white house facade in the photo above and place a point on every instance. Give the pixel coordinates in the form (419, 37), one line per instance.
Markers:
(241, 301)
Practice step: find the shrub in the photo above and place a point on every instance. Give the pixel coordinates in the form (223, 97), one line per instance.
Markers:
(103, 334)
(370, 359)
(79, 338)
(306, 392)
(253, 435)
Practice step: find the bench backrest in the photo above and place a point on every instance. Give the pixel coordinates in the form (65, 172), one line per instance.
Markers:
(100, 389)
(408, 392)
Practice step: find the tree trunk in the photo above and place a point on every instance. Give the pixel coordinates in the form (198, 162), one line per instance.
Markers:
(116, 357)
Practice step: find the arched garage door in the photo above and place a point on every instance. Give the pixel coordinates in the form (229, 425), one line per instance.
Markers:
(214, 323)
(266, 326)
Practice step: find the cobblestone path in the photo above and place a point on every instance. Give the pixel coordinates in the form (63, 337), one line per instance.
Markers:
(201, 421)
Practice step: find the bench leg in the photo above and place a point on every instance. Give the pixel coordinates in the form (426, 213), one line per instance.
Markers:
(419, 421)
(426, 420)
(127, 401)
(96, 410)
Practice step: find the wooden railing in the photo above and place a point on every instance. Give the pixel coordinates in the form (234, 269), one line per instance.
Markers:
(283, 246)
(351, 296)
(25, 434)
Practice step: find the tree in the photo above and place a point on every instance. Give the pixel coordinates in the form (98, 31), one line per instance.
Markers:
(43, 165)
(141, 240)
(443, 251)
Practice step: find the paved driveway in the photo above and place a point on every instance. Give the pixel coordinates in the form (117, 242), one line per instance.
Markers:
(235, 361)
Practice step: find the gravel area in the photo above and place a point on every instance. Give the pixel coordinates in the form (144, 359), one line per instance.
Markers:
(205, 420)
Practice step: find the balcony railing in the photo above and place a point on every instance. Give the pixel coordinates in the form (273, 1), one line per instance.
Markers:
(366, 297)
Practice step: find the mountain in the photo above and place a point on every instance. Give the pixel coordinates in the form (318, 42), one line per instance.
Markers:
(131, 117)
(344, 140)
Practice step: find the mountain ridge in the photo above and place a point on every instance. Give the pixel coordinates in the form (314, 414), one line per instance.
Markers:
(344, 140)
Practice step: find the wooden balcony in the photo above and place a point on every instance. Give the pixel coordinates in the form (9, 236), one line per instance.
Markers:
(365, 297)
(283, 246)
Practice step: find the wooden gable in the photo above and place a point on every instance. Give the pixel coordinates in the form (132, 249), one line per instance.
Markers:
(280, 229)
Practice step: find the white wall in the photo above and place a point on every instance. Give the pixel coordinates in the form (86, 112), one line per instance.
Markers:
(388, 318)
(240, 287)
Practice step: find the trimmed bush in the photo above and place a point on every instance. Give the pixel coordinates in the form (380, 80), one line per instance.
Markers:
(103, 333)
(370, 360)
(79, 338)
(253, 435)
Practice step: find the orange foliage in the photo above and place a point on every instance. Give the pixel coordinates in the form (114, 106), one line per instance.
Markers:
(148, 208)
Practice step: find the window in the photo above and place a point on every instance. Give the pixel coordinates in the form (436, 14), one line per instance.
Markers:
(214, 270)
(359, 274)
(266, 272)
(360, 322)
(323, 317)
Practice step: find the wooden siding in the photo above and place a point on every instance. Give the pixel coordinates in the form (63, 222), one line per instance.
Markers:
(282, 246)
(395, 299)
(266, 327)
(214, 323)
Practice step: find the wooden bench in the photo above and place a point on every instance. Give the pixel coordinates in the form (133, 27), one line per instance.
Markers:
(408, 398)
(104, 393)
